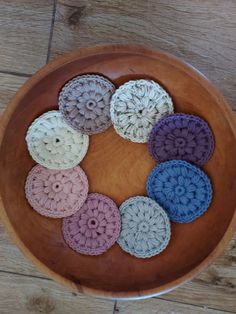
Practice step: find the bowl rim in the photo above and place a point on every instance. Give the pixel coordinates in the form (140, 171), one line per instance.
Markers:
(133, 49)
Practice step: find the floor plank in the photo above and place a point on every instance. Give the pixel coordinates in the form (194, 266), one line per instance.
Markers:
(24, 32)
(9, 84)
(215, 287)
(11, 258)
(24, 295)
(155, 306)
(201, 32)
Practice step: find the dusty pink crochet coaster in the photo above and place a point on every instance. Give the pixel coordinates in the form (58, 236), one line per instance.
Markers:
(95, 227)
(56, 193)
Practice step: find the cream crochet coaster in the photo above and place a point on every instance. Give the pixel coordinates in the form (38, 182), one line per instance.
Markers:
(145, 227)
(54, 144)
(85, 103)
(136, 106)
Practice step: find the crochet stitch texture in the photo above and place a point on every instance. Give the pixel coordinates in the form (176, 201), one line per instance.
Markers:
(183, 190)
(136, 106)
(181, 136)
(145, 229)
(54, 144)
(85, 103)
(95, 227)
(56, 193)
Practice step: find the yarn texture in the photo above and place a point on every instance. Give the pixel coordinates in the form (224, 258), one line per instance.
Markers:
(54, 144)
(181, 136)
(85, 103)
(136, 106)
(56, 193)
(145, 228)
(182, 189)
(95, 227)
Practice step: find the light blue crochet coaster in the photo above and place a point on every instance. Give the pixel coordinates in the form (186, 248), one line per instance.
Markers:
(183, 190)
(145, 227)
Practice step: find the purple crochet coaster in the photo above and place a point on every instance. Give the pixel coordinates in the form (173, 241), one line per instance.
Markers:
(95, 227)
(181, 136)
(85, 103)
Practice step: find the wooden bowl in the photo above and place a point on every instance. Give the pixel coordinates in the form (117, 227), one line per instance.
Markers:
(119, 168)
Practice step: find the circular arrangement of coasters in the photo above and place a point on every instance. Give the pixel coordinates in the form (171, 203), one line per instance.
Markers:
(54, 144)
(85, 103)
(140, 111)
(95, 227)
(181, 136)
(136, 106)
(56, 193)
(145, 229)
(181, 188)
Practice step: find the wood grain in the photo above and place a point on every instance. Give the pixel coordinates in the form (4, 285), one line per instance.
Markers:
(24, 295)
(158, 306)
(119, 177)
(24, 33)
(215, 287)
(201, 32)
(9, 84)
(217, 282)
(11, 258)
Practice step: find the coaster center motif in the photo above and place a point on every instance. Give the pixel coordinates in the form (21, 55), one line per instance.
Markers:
(92, 223)
(180, 142)
(179, 190)
(57, 186)
(57, 141)
(91, 104)
(143, 226)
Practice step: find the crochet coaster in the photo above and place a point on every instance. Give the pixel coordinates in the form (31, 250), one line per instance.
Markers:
(54, 144)
(182, 189)
(136, 106)
(145, 228)
(56, 193)
(85, 103)
(181, 136)
(95, 227)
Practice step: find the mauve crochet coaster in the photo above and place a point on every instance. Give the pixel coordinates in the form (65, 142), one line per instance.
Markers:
(95, 227)
(181, 136)
(85, 103)
(182, 189)
(54, 144)
(136, 106)
(56, 193)
(145, 229)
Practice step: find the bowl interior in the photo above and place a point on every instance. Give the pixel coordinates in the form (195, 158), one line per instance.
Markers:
(119, 168)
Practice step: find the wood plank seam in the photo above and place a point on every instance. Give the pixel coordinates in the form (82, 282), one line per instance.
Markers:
(191, 304)
(15, 73)
(114, 308)
(51, 30)
(24, 275)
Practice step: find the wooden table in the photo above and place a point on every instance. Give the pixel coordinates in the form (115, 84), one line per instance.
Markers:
(203, 33)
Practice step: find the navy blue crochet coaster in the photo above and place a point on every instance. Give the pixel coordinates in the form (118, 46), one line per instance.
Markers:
(183, 190)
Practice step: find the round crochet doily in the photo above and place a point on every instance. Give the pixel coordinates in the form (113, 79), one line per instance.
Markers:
(181, 136)
(85, 103)
(145, 229)
(56, 193)
(54, 144)
(136, 106)
(95, 227)
(182, 189)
